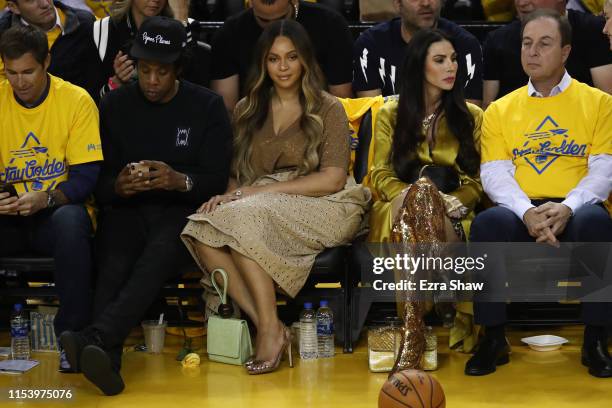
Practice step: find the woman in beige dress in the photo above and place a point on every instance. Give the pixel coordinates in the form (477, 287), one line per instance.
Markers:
(289, 197)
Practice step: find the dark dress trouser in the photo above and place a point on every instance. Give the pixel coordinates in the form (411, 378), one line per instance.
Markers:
(137, 249)
(591, 223)
(63, 233)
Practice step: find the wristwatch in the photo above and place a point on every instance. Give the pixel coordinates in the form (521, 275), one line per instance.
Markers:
(50, 199)
(188, 183)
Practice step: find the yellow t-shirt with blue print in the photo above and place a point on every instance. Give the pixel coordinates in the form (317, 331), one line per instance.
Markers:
(38, 145)
(549, 140)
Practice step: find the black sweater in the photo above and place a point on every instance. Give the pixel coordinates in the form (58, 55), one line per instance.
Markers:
(191, 133)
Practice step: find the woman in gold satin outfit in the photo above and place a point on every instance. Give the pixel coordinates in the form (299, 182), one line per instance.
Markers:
(429, 125)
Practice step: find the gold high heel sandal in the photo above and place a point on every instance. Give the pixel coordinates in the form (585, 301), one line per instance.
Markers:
(249, 362)
(262, 367)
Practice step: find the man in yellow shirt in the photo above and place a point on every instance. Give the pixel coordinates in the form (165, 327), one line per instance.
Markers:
(68, 36)
(547, 164)
(50, 151)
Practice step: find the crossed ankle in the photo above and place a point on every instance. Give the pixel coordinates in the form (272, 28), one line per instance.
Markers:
(95, 337)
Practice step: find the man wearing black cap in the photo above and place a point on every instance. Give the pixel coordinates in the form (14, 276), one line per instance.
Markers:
(168, 145)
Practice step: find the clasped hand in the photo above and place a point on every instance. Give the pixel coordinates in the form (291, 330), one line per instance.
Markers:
(26, 204)
(547, 222)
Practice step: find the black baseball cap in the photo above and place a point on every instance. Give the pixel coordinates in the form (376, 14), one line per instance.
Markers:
(160, 39)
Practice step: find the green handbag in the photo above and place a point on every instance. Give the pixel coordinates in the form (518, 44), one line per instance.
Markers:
(228, 339)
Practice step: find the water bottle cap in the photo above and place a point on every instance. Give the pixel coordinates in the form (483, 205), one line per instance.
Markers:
(324, 303)
(308, 305)
(18, 307)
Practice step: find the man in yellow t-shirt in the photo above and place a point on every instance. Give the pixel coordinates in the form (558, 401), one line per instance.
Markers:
(50, 154)
(547, 164)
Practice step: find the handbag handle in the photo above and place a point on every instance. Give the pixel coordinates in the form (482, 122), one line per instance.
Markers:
(446, 186)
(222, 292)
(225, 310)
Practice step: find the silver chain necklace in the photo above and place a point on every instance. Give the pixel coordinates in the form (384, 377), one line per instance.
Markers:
(427, 122)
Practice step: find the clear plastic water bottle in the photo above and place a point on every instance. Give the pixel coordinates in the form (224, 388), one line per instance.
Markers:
(325, 331)
(308, 333)
(20, 337)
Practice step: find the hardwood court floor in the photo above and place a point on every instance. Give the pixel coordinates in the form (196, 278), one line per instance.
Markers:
(554, 379)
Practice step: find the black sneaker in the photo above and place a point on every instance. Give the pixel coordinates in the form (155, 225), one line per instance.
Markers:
(73, 343)
(64, 365)
(97, 368)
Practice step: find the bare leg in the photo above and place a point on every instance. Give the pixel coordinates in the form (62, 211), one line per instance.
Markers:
(270, 336)
(446, 310)
(214, 258)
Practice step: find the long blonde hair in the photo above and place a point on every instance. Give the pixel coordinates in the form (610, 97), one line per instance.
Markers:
(120, 8)
(252, 112)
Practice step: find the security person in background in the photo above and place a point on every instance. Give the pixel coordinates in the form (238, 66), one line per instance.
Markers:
(66, 31)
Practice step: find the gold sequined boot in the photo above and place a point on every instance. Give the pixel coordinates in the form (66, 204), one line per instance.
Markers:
(420, 221)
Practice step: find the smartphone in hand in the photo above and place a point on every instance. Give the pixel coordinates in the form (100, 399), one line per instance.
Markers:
(137, 168)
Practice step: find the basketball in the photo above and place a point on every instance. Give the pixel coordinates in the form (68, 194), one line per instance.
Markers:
(411, 389)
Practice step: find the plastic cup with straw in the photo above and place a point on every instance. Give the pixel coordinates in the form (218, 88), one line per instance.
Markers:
(155, 334)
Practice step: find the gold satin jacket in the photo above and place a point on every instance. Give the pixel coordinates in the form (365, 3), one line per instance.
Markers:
(385, 183)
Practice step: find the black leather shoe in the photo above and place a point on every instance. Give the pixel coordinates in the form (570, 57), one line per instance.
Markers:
(73, 343)
(491, 353)
(97, 368)
(597, 359)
